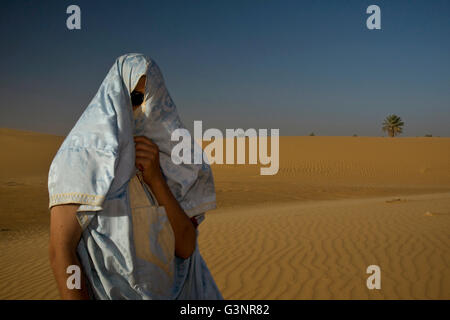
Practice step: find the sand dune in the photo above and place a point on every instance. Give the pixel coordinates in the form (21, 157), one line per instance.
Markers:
(337, 205)
(321, 250)
(25, 270)
(330, 168)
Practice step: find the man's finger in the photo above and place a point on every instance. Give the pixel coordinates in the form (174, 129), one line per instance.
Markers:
(146, 147)
(146, 154)
(141, 162)
(144, 140)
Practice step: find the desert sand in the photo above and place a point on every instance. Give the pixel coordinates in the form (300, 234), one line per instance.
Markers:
(336, 206)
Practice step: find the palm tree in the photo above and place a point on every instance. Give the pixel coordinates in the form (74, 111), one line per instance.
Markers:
(393, 125)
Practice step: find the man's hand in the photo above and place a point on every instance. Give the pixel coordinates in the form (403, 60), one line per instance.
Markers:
(147, 159)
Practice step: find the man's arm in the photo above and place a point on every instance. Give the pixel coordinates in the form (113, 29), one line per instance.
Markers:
(184, 230)
(147, 160)
(65, 233)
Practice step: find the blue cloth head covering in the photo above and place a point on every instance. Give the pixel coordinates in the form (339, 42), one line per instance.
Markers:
(98, 156)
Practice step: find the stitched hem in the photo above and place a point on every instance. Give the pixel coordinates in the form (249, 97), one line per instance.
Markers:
(75, 197)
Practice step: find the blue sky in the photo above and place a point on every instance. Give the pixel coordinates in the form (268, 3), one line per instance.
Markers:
(299, 66)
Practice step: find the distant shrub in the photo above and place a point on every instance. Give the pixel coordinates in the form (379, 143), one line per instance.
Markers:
(312, 134)
(428, 135)
(355, 135)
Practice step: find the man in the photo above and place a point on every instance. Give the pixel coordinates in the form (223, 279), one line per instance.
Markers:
(118, 153)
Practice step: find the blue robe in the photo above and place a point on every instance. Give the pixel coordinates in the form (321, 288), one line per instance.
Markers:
(95, 167)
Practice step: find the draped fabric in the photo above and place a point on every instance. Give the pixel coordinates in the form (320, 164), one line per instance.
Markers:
(95, 167)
